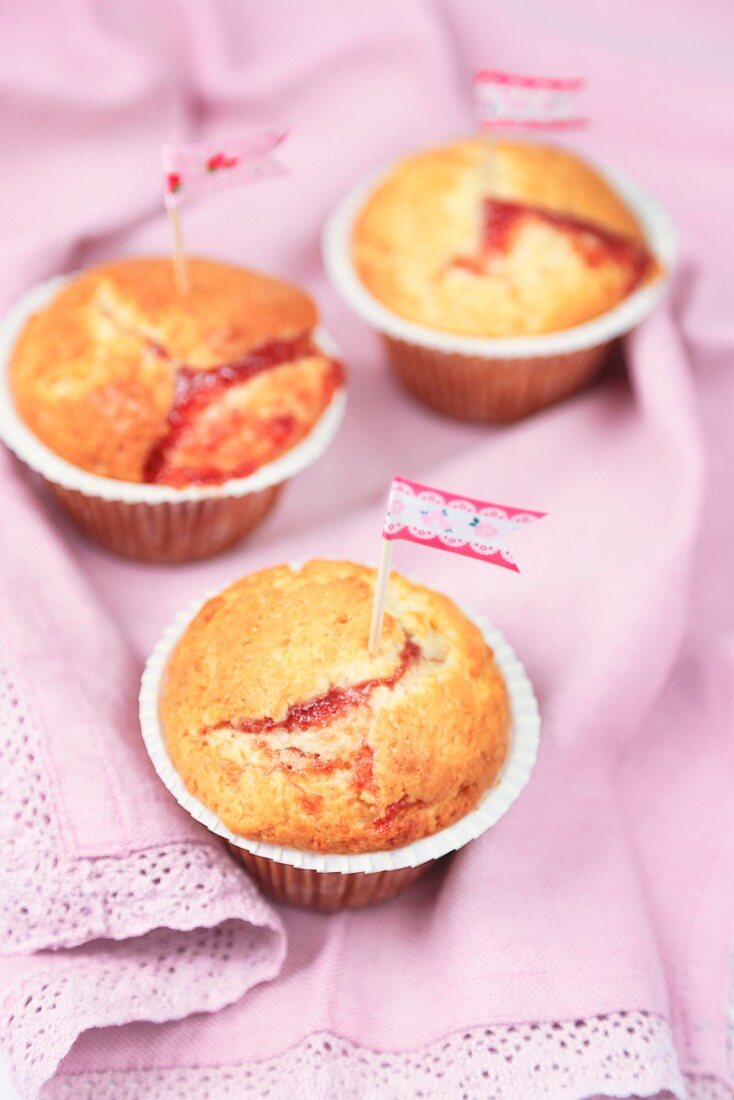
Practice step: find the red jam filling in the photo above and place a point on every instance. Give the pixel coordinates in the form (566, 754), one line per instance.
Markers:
(196, 389)
(593, 242)
(382, 824)
(325, 708)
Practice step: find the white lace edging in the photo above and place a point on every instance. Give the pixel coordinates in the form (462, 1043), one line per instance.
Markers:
(51, 902)
(154, 935)
(161, 976)
(620, 1054)
(48, 901)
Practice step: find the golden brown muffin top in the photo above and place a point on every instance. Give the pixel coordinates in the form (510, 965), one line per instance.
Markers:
(123, 376)
(278, 719)
(523, 239)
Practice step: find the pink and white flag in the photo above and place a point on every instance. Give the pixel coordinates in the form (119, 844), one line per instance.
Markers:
(505, 101)
(462, 525)
(199, 167)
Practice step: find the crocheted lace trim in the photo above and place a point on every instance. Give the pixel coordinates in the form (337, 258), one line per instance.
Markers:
(194, 934)
(49, 901)
(621, 1054)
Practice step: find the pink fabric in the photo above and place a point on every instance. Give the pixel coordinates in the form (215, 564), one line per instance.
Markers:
(609, 888)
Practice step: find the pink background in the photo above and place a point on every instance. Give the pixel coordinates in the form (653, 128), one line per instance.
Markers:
(610, 886)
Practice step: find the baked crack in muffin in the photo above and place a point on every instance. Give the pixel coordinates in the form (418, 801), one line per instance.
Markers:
(531, 240)
(276, 717)
(123, 377)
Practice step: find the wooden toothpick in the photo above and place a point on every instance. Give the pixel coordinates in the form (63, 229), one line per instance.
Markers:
(488, 176)
(180, 267)
(378, 605)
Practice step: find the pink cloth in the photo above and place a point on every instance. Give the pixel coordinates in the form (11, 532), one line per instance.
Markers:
(583, 944)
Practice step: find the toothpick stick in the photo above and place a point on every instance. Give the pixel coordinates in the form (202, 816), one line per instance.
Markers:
(180, 269)
(489, 169)
(488, 165)
(378, 606)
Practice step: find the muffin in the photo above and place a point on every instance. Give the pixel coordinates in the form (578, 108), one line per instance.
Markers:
(278, 720)
(498, 275)
(121, 376)
(166, 425)
(526, 239)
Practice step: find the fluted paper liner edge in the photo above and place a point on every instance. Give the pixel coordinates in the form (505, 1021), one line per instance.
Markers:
(514, 775)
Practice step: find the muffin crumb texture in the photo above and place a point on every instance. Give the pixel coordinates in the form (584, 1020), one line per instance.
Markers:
(123, 377)
(277, 718)
(528, 239)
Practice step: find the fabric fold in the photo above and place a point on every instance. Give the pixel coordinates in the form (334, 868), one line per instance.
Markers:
(82, 869)
(51, 998)
(588, 933)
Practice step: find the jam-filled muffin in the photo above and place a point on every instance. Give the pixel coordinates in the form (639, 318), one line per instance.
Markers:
(122, 376)
(277, 718)
(521, 240)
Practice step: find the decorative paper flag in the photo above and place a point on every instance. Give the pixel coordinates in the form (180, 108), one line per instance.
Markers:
(433, 517)
(203, 166)
(419, 513)
(505, 101)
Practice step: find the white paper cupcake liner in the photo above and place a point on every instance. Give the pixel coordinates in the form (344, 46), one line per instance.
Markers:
(29, 448)
(337, 257)
(523, 749)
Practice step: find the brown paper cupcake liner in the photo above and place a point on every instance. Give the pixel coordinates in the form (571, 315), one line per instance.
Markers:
(493, 391)
(167, 533)
(325, 891)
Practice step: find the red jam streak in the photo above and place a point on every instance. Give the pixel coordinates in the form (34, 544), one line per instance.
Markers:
(196, 389)
(382, 824)
(325, 708)
(594, 243)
